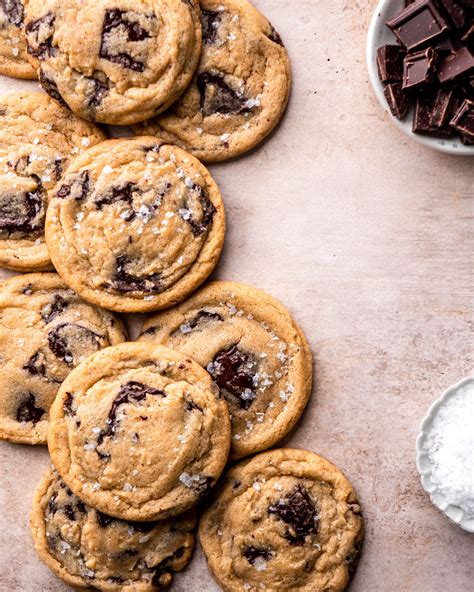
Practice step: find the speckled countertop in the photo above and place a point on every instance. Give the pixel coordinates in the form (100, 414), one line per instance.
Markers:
(366, 237)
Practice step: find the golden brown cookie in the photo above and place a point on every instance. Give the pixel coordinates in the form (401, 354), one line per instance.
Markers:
(240, 89)
(285, 520)
(139, 432)
(38, 140)
(135, 225)
(45, 331)
(115, 62)
(13, 58)
(253, 350)
(89, 549)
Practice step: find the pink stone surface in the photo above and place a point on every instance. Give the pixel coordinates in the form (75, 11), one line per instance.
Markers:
(366, 236)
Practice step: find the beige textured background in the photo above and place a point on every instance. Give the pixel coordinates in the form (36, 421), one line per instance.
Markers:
(366, 237)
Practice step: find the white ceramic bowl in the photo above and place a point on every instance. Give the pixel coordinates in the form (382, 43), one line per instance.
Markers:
(424, 466)
(379, 35)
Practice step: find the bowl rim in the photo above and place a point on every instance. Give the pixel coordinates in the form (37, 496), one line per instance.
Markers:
(425, 426)
(439, 144)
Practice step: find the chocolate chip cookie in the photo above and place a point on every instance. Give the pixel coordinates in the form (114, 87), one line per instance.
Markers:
(38, 139)
(253, 350)
(285, 520)
(135, 225)
(45, 330)
(240, 90)
(13, 59)
(115, 62)
(138, 431)
(89, 549)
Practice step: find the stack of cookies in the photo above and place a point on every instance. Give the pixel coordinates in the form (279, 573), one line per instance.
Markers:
(140, 433)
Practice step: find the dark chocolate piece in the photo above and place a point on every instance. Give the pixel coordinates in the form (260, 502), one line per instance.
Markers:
(119, 22)
(390, 63)
(28, 412)
(50, 86)
(298, 511)
(124, 281)
(254, 553)
(210, 21)
(397, 100)
(216, 96)
(454, 11)
(39, 36)
(233, 370)
(463, 120)
(419, 69)
(13, 10)
(456, 65)
(418, 24)
(442, 108)
(421, 120)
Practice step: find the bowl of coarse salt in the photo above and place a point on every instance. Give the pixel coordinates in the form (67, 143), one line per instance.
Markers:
(445, 453)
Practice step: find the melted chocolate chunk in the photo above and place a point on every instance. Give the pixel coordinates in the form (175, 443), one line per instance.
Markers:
(121, 19)
(36, 364)
(28, 412)
(13, 9)
(275, 37)
(253, 553)
(298, 511)
(39, 34)
(77, 187)
(142, 526)
(21, 212)
(218, 97)
(58, 168)
(204, 316)
(67, 405)
(50, 86)
(58, 305)
(103, 519)
(71, 509)
(233, 371)
(210, 21)
(116, 194)
(96, 92)
(123, 281)
(192, 406)
(69, 341)
(199, 226)
(131, 392)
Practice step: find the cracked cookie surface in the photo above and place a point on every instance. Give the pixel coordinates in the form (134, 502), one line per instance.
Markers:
(134, 225)
(240, 89)
(253, 350)
(115, 62)
(87, 548)
(45, 331)
(285, 520)
(38, 139)
(139, 431)
(13, 58)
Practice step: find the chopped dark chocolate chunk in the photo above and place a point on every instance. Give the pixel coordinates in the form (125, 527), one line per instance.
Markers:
(124, 281)
(390, 63)
(298, 511)
(210, 21)
(463, 120)
(456, 65)
(419, 68)
(454, 11)
(418, 24)
(50, 86)
(28, 411)
(442, 108)
(13, 10)
(233, 370)
(39, 36)
(218, 97)
(252, 554)
(397, 100)
(421, 120)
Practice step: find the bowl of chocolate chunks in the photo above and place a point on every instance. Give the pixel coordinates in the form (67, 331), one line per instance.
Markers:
(420, 55)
